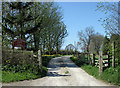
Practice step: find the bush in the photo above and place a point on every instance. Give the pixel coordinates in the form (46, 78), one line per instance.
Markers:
(11, 73)
(77, 61)
(17, 57)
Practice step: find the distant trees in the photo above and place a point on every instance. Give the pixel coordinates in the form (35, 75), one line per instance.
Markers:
(96, 42)
(38, 23)
(85, 38)
(76, 45)
(90, 41)
(70, 47)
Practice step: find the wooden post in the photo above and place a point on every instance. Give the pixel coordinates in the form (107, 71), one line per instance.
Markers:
(40, 60)
(77, 54)
(83, 57)
(89, 61)
(119, 59)
(93, 59)
(88, 58)
(31, 53)
(100, 63)
(113, 54)
(108, 60)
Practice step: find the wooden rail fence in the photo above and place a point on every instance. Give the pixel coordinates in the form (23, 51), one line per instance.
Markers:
(103, 61)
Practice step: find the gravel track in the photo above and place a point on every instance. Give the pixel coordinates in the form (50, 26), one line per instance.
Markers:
(62, 72)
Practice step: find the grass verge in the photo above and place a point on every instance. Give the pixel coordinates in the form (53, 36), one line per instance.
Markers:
(110, 75)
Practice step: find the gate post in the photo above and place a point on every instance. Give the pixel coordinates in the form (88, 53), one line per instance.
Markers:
(84, 57)
(108, 60)
(88, 56)
(100, 63)
(40, 60)
(93, 59)
(113, 54)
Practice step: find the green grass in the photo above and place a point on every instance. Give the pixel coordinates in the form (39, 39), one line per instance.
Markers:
(0, 75)
(11, 73)
(9, 76)
(66, 72)
(110, 75)
(12, 76)
(94, 71)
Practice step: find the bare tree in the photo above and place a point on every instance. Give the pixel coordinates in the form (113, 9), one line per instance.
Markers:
(85, 37)
(76, 44)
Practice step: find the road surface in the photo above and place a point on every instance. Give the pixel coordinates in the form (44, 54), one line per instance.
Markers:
(62, 72)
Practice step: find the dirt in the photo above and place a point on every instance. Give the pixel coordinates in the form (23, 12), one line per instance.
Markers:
(62, 72)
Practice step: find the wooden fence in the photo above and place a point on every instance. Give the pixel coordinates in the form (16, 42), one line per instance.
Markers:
(102, 61)
(106, 61)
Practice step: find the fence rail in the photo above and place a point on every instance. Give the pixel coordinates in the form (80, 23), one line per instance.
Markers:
(102, 61)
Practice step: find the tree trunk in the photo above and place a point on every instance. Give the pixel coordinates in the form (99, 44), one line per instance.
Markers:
(88, 55)
(49, 45)
(36, 42)
(57, 47)
(44, 47)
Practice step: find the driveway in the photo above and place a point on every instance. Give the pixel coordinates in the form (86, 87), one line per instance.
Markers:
(62, 72)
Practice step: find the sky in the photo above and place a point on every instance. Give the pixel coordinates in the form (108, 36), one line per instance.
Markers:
(79, 15)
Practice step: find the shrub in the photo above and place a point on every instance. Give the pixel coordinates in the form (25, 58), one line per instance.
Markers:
(77, 61)
(25, 71)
